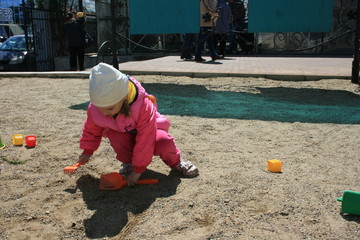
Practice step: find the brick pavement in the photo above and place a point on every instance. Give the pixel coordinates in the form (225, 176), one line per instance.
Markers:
(295, 68)
(284, 68)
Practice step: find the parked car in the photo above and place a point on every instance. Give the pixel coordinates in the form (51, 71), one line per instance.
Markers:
(16, 56)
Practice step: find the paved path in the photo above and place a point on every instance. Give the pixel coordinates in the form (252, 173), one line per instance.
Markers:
(296, 68)
(284, 68)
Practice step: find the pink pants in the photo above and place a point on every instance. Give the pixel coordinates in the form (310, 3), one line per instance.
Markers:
(123, 145)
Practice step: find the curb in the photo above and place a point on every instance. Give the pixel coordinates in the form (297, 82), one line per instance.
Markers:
(85, 74)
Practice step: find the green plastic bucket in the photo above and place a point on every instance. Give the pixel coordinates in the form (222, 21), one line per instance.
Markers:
(350, 203)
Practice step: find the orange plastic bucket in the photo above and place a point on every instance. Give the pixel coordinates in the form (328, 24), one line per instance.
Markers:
(274, 165)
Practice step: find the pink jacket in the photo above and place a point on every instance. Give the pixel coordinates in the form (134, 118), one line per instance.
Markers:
(143, 121)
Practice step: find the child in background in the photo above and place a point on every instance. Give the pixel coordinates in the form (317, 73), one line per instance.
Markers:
(121, 110)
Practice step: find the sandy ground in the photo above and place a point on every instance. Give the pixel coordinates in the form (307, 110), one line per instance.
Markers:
(228, 127)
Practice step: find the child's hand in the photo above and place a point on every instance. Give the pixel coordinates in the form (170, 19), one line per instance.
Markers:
(84, 158)
(133, 178)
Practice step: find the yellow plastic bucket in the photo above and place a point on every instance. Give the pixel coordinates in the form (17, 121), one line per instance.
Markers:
(18, 139)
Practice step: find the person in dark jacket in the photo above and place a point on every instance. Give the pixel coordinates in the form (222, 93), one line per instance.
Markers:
(222, 25)
(75, 36)
(187, 49)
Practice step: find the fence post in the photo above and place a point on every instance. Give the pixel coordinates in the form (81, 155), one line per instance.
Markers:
(113, 26)
(355, 63)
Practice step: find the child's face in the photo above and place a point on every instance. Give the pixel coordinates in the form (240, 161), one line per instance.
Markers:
(112, 110)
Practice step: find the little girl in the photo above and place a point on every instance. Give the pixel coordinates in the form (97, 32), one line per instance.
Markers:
(122, 111)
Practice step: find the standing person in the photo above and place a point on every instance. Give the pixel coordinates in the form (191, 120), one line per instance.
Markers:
(75, 36)
(246, 41)
(222, 25)
(238, 20)
(80, 22)
(207, 16)
(187, 49)
(206, 35)
(123, 112)
(80, 18)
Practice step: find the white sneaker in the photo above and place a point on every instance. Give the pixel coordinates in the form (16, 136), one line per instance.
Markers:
(187, 169)
(127, 168)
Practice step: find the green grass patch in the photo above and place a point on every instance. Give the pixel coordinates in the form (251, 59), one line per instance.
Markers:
(12, 162)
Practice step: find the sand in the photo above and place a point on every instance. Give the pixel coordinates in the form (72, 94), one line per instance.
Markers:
(228, 127)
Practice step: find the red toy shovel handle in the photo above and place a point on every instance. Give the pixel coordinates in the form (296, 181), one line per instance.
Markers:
(73, 168)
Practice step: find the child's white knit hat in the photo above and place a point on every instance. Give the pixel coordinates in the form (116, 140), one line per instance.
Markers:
(107, 85)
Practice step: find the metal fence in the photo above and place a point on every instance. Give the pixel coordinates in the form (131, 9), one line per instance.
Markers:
(20, 18)
(37, 24)
(44, 23)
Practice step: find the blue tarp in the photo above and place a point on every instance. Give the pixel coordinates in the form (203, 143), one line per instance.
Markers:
(290, 15)
(164, 16)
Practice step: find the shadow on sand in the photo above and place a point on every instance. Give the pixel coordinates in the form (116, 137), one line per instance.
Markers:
(351, 218)
(268, 104)
(112, 207)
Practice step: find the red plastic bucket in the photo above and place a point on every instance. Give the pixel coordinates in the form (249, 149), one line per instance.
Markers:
(30, 141)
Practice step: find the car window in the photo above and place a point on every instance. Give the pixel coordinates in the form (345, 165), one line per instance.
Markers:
(14, 43)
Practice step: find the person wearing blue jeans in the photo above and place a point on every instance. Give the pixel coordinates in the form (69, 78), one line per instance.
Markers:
(205, 35)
